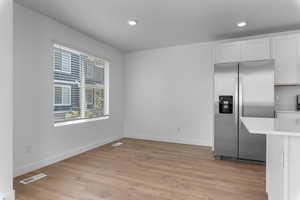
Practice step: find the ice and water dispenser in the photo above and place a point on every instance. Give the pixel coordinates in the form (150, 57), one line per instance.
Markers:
(225, 104)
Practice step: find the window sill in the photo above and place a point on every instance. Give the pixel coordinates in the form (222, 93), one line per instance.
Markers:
(79, 121)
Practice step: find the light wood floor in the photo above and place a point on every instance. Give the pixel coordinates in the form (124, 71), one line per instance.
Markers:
(146, 170)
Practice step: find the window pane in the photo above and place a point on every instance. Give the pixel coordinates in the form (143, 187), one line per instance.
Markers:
(95, 100)
(66, 61)
(66, 95)
(57, 59)
(99, 100)
(62, 60)
(90, 70)
(89, 96)
(99, 75)
(58, 95)
(64, 110)
(94, 89)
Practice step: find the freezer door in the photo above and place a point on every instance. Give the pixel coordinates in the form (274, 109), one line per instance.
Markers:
(226, 104)
(256, 99)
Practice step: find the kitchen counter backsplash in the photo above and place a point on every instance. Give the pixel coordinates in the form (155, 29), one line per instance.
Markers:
(285, 98)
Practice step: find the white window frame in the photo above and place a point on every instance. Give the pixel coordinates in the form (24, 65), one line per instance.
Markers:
(70, 97)
(83, 104)
(106, 88)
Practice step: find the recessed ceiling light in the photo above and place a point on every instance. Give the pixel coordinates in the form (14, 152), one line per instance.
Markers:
(241, 24)
(132, 22)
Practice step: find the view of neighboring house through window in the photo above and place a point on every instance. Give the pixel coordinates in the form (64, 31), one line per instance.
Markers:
(80, 85)
(62, 61)
(62, 95)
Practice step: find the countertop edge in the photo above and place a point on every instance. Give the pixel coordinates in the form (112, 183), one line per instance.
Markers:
(266, 131)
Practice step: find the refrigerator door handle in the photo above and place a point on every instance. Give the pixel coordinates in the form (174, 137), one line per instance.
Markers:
(236, 102)
(241, 105)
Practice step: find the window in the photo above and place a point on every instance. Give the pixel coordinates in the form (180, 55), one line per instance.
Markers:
(62, 95)
(62, 60)
(89, 96)
(90, 70)
(80, 85)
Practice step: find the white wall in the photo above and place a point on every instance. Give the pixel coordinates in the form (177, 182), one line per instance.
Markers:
(36, 141)
(6, 105)
(169, 94)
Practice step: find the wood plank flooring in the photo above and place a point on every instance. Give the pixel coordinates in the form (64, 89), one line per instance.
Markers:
(146, 170)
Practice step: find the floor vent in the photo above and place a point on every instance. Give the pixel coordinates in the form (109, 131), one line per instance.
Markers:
(33, 178)
(117, 144)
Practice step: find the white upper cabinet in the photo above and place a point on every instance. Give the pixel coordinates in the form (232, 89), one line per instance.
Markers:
(286, 55)
(250, 50)
(258, 49)
(228, 52)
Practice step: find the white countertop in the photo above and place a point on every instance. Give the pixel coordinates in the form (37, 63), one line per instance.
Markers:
(272, 126)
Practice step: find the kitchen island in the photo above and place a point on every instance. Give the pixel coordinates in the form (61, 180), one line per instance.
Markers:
(283, 155)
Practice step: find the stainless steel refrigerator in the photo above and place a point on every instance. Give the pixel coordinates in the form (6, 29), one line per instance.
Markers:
(242, 89)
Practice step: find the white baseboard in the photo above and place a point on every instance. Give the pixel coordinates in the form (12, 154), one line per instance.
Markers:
(206, 143)
(8, 196)
(54, 159)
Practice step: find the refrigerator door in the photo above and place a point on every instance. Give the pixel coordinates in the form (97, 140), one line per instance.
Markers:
(226, 105)
(256, 99)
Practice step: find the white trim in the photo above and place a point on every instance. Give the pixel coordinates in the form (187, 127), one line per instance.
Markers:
(82, 99)
(62, 111)
(66, 82)
(70, 97)
(205, 143)
(61, 71)
(106, 88)
(56, 158)
(79, 121)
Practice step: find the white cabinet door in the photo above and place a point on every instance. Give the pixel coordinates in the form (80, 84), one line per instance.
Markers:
(258, 49)
(229, 52)
(275, 170)
(285, 51)
(293, 171)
